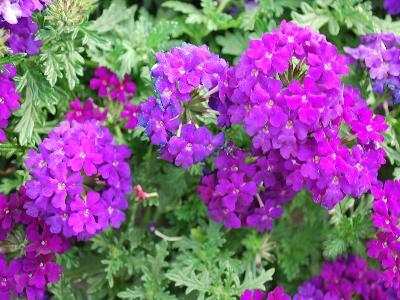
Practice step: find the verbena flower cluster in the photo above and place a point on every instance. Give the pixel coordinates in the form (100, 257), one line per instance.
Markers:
(386, 247)
(131, 113)
(277, 294)
(12, 10)
(22, 36)
(108, 85)
(287, 94)
(80, 179)
(246, 190)
(392, 6)
(9, 98)
(27, 251)
(88, 111)
(345, 278)
(184, 79)
(342, 279)
(380, 54)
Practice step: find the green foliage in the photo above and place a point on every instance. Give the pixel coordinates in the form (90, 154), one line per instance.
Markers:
(299, 236)
(351, 227)
(201, 22)
(133, 36)
(205, 268)
(354, 15)
(188, 256)
(64, 36)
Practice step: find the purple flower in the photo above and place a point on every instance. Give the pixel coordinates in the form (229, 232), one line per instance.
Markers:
(28, 273)
(58, 185)
(278, 294)
(83, 154)
(108, 85)
(85, 212)
(89, 111)
(78, 157)
(121, 91)
(193, 146)
(22, 36)
(253, 295)
(9, 98)
(11, 10)
(344, 278)
(185, 79)
(392, 6)
(131, 113)
(232, 194)
(113, 214)
(7, 281)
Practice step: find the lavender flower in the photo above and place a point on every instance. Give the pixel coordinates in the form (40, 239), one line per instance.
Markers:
(32, 248)
(11, 10)
(297, 110)
(344, 278)
(392, 6)
(239, 193)
(380, 54)
(9, 98)
(81, 113)
(22, 36)
(108, 85)
(184, 78)
(73, 156)
(385, 248)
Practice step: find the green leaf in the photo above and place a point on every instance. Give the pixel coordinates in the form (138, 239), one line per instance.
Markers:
(27, 122)
(233, 43)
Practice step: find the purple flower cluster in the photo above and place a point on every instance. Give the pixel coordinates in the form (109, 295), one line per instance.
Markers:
(22, 36)
(131, 113)
(386, 246)
(392, 6)
(11, 10)
(80, 179)
(345, 278)
(184, 78)
(33, 247)
(287, 93)
(246, 190)
(9, 98)
(277, 294)
(88, 111)
(380, 54)
(108, 84)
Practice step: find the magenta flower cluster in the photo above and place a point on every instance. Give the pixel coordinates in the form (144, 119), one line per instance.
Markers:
(287, 93)
(246, 190)
(9, 98)
(109, 85)
(276, 294)
(34, 247)
(386, 247)
(392, 6)
(11, 10)
(184, 79)
(344, 279)
(80, 179)
(22, 36)
(131, 113)
(86, 112)
(380, 54)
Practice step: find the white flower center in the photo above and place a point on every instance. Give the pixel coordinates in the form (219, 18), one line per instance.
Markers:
(327, 66)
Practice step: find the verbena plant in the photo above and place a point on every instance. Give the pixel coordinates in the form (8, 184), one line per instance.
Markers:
(199, 150)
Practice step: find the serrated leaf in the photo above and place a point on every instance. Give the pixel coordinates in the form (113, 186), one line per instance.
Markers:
(233, 43)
